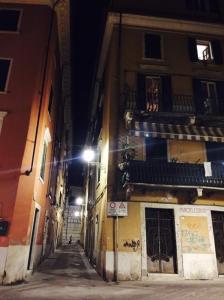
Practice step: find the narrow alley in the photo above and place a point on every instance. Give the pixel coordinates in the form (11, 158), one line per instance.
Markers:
(68, 275)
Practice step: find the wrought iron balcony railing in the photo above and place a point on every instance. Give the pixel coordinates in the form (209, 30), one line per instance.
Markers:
(157, 172)
(179, 104)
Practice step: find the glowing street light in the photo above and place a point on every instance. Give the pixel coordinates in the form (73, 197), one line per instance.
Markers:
(77, 213)
(88, 155)
(79, 201)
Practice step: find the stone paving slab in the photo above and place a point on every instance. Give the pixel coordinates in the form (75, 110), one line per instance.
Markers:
(68, 275)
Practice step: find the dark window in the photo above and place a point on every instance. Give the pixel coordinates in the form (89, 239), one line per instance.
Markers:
(50, 101)
(43, 161)
(9, 19)
(205, 6)
(215, 151)
(156, 149)
(4, 70)
(153, 46)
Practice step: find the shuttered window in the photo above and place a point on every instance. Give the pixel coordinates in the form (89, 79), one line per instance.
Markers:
(152, 47)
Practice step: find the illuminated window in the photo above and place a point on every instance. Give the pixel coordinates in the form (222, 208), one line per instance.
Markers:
(4, 73)
(47, 140)
(152, 92)
(204, 50)
(9, 19)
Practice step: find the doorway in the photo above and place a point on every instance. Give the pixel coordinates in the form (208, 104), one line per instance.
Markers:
(218, 229)
(33, 238)
(160, 241)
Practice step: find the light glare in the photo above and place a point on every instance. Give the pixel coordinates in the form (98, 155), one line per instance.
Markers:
(88, 155)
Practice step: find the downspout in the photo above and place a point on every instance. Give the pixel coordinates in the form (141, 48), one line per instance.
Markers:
(115, 219)
(28, 172)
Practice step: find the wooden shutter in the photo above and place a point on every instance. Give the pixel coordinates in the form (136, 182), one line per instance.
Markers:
(192, 47)
(217, 52)
(198, 97)
(220, 94)
(166, 94)
(141, 101)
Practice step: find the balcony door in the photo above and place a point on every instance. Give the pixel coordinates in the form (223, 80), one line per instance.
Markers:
(218, 229)
(161, 241)
(210, 101)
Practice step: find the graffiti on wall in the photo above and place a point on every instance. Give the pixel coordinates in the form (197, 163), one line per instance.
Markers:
(135, 245)
(194, 234)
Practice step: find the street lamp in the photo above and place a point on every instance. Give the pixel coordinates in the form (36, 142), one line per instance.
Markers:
(77, 213)
(88, 155)
(79, 201)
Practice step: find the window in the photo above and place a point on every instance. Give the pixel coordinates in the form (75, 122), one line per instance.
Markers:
(203, 5)
(152, 47)
(4, 72)
(156, 149)
(205, 50)
(47, 140)
(43, 161)
(9, 19)
(50, 101)
(2, 115)
(208, 97)
(154, 93)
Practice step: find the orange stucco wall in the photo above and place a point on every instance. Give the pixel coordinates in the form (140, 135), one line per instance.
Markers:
(18, 192)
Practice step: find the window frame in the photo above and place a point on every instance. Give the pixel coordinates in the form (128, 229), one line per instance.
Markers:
(20, 10)
(161, 47)
(47, 140)
(8, 74)
(207, 43)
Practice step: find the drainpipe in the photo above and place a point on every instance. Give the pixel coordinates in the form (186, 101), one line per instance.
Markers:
(28, 172)
(116, 227)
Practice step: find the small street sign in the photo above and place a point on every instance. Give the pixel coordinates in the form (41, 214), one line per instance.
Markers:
(117, 209)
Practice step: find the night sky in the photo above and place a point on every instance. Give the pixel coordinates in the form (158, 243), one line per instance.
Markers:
(87, 24)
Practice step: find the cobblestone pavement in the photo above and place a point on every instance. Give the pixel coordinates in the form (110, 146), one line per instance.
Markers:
(68, 275)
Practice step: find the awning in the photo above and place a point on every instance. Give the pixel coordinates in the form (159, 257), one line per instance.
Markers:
(180, 132)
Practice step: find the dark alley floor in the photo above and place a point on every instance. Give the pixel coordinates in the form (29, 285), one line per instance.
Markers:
(68, 275)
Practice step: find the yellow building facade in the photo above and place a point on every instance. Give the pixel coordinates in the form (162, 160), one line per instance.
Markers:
(157, 128)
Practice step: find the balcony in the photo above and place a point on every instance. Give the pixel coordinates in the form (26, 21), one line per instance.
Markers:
(169, 174)
(180, 105)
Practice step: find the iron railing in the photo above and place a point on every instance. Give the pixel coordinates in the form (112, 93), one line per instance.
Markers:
(157, 172)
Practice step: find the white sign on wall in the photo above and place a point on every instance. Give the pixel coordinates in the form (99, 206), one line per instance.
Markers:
(115, 209)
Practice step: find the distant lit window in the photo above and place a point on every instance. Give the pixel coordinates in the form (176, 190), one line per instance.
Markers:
(4, 72)
(9, 19)
(47, 140)
(152, 46)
